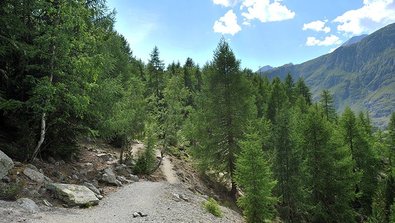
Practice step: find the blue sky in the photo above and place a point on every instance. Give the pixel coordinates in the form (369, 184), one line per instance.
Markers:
(260, 32)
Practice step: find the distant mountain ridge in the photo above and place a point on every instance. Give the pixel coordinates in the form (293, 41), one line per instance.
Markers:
(360, 74)
(354, 40)
(265, 68)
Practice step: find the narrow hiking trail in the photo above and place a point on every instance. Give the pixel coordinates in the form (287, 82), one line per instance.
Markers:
(167, 169)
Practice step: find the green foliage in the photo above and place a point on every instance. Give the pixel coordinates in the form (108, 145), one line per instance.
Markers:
(328, 170)
(379, 214)
(213, 207)
(392, 216)
(223, 109)
(277, 99)
(10, 191)
(365, 160)
(146, 161)
(175, 97)
(253, 176)
(287, 165)
(327, 105)
(50, 61)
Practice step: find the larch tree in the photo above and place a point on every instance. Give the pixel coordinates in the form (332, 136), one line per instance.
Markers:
(366, 162)
(155, 74)
(302, 90)
(326, 103)
(328, 170)
(223, 111)
(286, 167)
(254, 177)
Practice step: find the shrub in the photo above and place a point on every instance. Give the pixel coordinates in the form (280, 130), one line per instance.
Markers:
(146, 162)
(212, 206)
(10, 191)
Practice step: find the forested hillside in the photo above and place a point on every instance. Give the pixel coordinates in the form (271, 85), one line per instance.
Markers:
(66, 74)
(359, 75)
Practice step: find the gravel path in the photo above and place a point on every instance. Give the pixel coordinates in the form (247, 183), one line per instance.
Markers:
(156, 199)
(163, 202)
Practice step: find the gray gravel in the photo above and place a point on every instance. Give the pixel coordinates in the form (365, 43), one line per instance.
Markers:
(156, 199)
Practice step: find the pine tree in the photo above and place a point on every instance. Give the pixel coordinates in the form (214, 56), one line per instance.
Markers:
(224, 108)
(253, 176)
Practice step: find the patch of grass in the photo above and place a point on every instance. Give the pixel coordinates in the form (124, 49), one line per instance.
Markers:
(10, 191)
(212, 206)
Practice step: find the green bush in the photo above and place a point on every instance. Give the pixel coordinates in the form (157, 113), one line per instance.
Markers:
(212, 206)
(10, 191)
(145, 163)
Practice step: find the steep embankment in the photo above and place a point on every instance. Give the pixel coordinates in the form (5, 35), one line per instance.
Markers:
(361, 75)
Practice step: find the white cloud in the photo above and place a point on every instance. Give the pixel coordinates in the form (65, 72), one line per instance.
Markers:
(225, 3)
(227, 24)
(318, 26)
(265, 10)
(328, 41)
(371, 16)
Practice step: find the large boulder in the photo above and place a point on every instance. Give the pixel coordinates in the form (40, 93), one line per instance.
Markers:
(5, 164)
(74, 195)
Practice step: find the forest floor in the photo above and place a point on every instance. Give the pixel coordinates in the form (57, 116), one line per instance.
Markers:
(174, 193)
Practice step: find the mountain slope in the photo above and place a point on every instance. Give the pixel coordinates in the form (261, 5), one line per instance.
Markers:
(361, 75)
(354, 40)
(265, 68)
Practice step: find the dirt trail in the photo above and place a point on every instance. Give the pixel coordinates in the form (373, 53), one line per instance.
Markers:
(167, 169)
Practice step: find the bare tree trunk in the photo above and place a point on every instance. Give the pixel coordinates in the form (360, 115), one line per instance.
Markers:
(42, 136)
